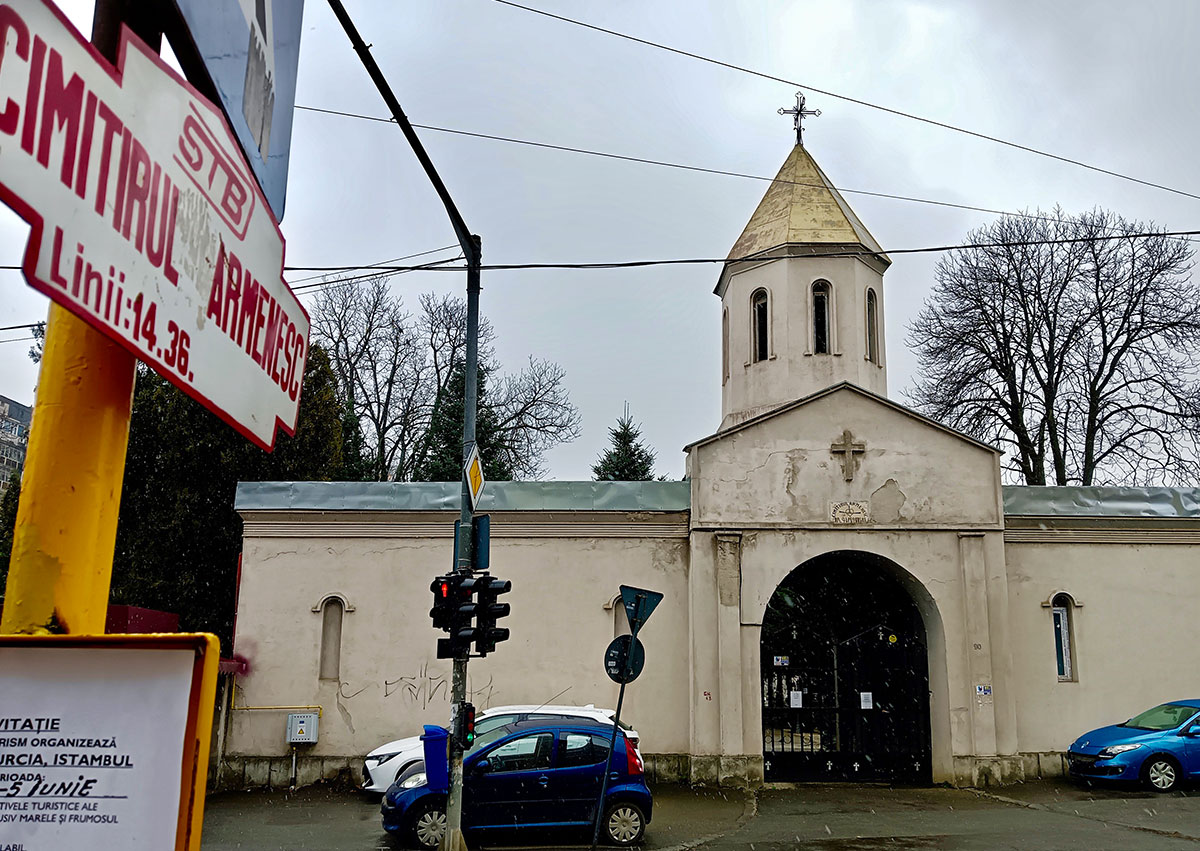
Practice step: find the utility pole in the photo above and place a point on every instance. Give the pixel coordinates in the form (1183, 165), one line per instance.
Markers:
(471, 249)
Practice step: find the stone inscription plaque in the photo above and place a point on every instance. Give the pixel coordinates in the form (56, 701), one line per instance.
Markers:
(850, 512)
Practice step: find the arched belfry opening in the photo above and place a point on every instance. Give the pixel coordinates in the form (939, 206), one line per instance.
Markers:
(845, 674)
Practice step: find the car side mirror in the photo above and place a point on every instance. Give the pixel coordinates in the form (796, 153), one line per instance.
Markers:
(1193, 731)
(483, 767)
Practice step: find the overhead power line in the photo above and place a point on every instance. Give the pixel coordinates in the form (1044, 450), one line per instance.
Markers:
(21, 327)
(911, 116)
(683, 166)
(18, 340)
(628, 264)
(376, 270)
(381, 262)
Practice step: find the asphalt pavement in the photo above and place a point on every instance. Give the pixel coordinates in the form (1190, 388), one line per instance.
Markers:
(1041, 816)
(319, 818)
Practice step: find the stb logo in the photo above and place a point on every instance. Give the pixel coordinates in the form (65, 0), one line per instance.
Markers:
(216, 173)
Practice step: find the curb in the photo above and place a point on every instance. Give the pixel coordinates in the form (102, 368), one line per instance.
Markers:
(1157, 831)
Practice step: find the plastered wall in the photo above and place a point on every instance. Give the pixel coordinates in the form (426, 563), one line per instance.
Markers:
(390, 681)
(1136, 630)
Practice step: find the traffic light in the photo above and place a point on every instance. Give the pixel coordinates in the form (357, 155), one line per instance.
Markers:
(464, 724)
(460, 615)
(445, 598)
(487, 634)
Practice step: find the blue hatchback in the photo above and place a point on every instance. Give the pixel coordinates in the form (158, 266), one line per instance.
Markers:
(530, 774)
(1160, 747)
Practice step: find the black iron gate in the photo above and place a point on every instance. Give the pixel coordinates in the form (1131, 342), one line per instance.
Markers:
(863, 716)
(845, 675)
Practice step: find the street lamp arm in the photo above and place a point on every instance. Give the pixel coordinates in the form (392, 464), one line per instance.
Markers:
(470, 247)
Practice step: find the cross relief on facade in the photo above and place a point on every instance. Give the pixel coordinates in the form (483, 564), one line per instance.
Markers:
(849, 450)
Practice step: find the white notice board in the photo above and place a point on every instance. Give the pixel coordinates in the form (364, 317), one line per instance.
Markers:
(92, 746)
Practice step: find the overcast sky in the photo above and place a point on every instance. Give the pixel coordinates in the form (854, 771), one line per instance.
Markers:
(1108, 83)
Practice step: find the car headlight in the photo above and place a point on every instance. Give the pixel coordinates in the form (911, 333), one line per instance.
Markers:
(1113, 750)
(380, 757)
(413, 782)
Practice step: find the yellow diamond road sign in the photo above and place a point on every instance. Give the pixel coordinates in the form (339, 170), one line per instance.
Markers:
(474, 473)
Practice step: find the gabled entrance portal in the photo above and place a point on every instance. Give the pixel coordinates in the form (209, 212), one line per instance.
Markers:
(845, 675)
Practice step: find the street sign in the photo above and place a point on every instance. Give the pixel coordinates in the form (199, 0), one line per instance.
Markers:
(145, 222)
(623, 662)
(481, 544)
(251, 50)
(106, 740)
(617, 662)
(474, 474)
(639, 605)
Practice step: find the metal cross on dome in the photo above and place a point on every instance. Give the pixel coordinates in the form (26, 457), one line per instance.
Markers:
(799, 113)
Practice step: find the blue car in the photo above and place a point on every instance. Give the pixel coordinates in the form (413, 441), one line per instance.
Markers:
(1160, 747)
(530, 774)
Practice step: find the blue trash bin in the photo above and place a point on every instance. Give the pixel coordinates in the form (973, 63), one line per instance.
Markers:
(437, 757)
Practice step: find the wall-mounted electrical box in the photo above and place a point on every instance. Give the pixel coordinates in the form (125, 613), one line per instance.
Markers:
(302, 728)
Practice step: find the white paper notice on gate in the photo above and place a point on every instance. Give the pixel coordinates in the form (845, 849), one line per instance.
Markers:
(146, 221)
(796, 700)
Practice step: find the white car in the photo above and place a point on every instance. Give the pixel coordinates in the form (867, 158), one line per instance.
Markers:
(383, 765)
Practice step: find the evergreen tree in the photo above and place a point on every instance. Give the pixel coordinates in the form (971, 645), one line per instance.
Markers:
(628, 459)
(178, 535)
(443, 460)
(358, 462)
(8, 524)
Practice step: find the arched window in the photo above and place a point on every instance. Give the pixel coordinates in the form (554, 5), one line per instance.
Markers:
(1064, 637)
(331, 638)
(620, 618)
(760, 322)
(872, 328)
(724, 346)
(820, 317)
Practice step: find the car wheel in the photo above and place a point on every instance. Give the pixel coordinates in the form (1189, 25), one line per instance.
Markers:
(427, 825)
(1161, 774)
(624, 824)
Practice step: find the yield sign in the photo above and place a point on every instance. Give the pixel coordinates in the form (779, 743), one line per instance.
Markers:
(146, 222)
(639, 604)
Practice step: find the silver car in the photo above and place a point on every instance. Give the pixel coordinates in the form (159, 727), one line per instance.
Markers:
(386, 763)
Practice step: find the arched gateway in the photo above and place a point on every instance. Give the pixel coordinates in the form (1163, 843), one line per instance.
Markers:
(845, 674)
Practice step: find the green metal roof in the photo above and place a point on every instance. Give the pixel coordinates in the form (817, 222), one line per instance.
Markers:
(445, 496)
(1167, 503)
(1019, 501)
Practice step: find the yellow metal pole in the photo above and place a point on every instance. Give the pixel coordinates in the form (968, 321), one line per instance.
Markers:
(61, 566)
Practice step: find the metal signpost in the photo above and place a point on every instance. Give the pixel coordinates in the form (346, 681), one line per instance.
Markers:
(623, 663)
(472, 484)
(250, 51)
(153, 241)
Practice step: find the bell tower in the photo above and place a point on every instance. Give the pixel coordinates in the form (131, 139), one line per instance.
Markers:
(801, 294)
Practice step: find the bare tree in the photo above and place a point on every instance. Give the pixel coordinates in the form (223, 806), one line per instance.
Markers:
(395, 371)
(1072, 343)
(533, 414)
